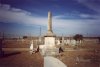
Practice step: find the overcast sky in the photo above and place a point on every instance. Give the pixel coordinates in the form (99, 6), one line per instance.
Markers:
(70, 17)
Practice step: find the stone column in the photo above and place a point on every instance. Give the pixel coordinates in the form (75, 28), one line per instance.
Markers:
(49, 22)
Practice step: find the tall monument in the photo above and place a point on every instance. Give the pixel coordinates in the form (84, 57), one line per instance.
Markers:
(49, 47)
(50, 36)
(49, 32)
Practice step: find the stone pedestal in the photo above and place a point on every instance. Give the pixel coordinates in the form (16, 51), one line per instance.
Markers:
(52, 51)
(50, 41)
(50, 48)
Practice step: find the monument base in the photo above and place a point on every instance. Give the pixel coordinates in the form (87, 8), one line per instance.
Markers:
(48, 50)
(50, 41)
(49, 47)
(52, 51)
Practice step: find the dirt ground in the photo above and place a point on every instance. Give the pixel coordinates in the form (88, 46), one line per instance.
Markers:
(85, 59)
(85, 55)
(21, 59)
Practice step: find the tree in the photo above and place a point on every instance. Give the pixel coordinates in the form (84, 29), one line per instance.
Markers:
(78, 37)
(25, 37)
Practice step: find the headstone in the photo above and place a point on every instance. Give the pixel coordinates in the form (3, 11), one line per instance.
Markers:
(58, 42)
(68, 41)
(31, 47)
(62, 40)
(73, 42)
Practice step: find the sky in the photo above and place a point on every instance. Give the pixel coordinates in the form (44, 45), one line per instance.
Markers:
(69, 17)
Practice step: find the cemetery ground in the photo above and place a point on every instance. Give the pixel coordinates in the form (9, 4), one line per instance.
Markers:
(83, 55)
(21, 59)
(16, 54)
